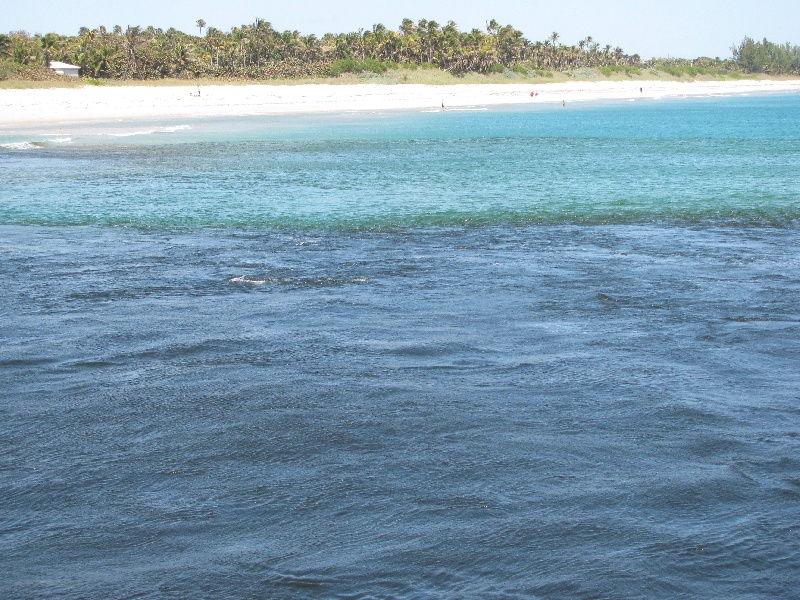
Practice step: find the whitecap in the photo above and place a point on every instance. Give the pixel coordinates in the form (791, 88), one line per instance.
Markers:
(20, 145)
(246, 279)
(301, 281)
(167, 129)
(131, 133)
(63, 140)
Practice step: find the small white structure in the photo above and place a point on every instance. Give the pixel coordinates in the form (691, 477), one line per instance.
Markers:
(64, 68)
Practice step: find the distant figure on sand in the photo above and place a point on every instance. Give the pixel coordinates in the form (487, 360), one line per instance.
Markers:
(563, 103)
(640, 90)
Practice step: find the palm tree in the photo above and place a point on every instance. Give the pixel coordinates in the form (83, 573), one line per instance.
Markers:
(214, 43)
(200, 24)
(131, 41)
(430, 34)
(100, 60)
(22, 49)
(5, 44)
(181, 57)
(48, 43)
(261, 32)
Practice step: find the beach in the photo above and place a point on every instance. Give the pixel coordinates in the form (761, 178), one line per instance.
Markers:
(99, 103)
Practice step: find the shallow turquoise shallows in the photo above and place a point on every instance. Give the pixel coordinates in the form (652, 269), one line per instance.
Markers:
(533, 352)
(706, 160)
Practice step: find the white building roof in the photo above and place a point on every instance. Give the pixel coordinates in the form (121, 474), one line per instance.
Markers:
(54, 64)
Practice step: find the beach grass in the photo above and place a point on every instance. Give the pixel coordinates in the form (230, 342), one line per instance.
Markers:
(420, 76)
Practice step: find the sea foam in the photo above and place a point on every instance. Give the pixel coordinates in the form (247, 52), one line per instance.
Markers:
(167, 129)
(21, 145)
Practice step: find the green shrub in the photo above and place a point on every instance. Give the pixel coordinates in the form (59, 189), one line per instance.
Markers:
(627, 69)
(12, 70)
(681, 70)
(352, 65)
(674, 71)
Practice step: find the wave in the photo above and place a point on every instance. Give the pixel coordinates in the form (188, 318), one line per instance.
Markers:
(130, 133)
(247, 279)
(166, 129)
(34, 145)
(22, 145)
(298, 282)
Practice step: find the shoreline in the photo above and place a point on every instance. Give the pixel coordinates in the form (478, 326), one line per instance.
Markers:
(102, 104)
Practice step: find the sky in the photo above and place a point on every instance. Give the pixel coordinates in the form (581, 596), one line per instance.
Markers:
(663, 28)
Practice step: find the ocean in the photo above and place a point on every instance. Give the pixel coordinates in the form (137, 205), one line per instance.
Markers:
(526, 352)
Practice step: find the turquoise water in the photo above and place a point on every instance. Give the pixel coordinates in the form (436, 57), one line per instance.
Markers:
(723, 160)
(506, 353)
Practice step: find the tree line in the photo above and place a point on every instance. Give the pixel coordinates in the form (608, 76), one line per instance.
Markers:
(258, 51)
(766, 57)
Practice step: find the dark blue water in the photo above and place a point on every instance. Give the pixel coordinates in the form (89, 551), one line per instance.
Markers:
(509, 354)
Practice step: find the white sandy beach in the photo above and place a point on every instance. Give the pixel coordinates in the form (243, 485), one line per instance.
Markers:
(92, 103)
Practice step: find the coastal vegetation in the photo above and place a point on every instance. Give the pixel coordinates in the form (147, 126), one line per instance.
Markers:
(257, 51)
(766, 57)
